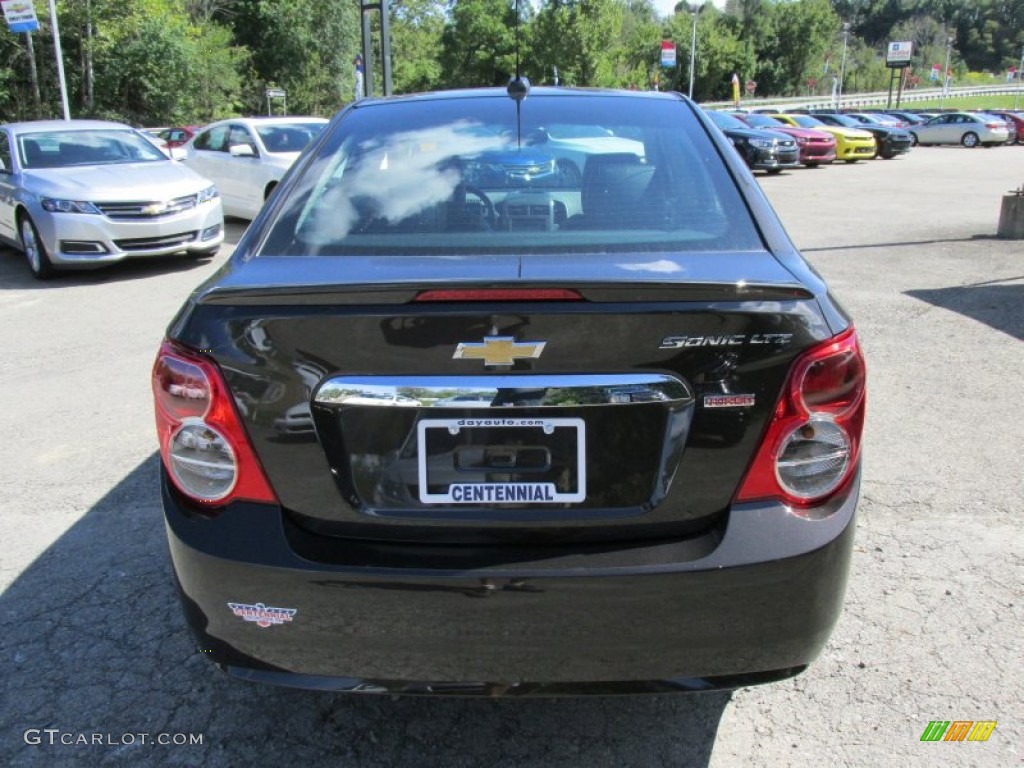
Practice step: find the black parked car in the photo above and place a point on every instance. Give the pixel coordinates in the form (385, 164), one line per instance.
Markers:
(437, 430)
(889, 142)
(910, 118)
(762, 150)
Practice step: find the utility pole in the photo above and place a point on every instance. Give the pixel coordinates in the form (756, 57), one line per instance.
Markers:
(695, 8)
(1020, 78)
(365, 10)
(842, 65)
(60, 60)
(945, 73)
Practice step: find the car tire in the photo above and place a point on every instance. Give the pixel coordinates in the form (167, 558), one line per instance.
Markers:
(850, 162)
(34, 249)
(969, 139)
(913, 139)
(773, 171)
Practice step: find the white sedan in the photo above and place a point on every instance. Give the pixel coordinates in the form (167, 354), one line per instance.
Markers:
(961, 128)
(247, 156)
(84, 193)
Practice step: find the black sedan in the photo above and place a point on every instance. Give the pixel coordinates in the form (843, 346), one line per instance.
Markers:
(762, 150)
(889, 142)
(439, 431)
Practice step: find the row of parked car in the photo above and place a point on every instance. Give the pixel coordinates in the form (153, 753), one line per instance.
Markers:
(772, 141)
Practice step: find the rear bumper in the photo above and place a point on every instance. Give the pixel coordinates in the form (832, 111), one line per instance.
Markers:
(751, 602)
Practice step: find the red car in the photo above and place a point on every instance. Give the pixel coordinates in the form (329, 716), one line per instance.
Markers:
(1013, 120)
(176, 137)
(816, 147)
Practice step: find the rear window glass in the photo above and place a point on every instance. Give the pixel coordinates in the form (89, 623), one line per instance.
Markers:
(288, 137)
(592, 173)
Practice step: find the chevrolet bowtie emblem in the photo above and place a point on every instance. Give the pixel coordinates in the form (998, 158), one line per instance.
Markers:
(499, 350)
(155, 209)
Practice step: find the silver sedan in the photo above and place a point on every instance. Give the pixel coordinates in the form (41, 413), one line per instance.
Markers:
(84, 193)
(961, 128)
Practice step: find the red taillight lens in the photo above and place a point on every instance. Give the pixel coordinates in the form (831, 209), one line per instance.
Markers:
(181, 388)
(811, 448)
(832, 380)
(500, 294)
(202, 441)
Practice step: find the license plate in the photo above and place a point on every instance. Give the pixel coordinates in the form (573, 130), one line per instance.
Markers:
(498, 460)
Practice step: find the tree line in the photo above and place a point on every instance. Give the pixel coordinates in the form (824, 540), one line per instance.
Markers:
(150, 62)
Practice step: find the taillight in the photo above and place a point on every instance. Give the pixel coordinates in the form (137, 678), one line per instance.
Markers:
(202, 442)
(812, 445)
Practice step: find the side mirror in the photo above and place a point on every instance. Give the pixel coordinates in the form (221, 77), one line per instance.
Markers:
(242, 150)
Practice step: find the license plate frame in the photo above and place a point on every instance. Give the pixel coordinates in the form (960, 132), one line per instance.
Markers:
(490, 492)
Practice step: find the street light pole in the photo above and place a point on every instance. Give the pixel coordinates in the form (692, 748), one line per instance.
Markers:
(945, 73)
(1020, 79)
(694, 9)
(60, 60)
(842, 64)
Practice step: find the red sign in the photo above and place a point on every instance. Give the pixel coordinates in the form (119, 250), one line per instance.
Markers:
(668, 53)
(751, 86)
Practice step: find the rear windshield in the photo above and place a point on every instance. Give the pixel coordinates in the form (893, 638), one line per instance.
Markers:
(288, 137)
(592, 173)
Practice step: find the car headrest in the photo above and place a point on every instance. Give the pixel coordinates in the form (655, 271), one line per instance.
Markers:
(613, 186)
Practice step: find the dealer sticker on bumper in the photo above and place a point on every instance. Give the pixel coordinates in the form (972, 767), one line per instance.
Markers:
(439, 470)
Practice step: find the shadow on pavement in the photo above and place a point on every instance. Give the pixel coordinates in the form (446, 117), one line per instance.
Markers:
(901, 244)
(995, 304)
(95, 647)
(15, 274)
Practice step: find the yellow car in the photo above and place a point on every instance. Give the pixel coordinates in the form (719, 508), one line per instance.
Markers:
(852, 144)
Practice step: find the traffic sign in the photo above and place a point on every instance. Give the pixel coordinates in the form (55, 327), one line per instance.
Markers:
(750, 87)
(20, 15)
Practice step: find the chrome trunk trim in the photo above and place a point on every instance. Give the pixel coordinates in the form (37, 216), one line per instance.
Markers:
(524, 391)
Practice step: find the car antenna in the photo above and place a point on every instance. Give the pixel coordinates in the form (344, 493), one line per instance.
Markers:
(518, 88)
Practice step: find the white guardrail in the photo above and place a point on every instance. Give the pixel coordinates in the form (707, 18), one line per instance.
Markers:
(871, 99)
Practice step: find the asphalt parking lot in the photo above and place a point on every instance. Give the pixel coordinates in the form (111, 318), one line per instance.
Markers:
(98, 666)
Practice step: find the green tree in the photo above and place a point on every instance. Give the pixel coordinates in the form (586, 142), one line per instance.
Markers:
(214, 83)
(305, 47)
(478, 45)
(416, 29)
(583, 39)
(641, 34)
(720, 53)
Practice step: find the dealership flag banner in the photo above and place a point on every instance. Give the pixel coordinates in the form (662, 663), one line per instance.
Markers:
(20, 15)
(668, 53)
(735, 89)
